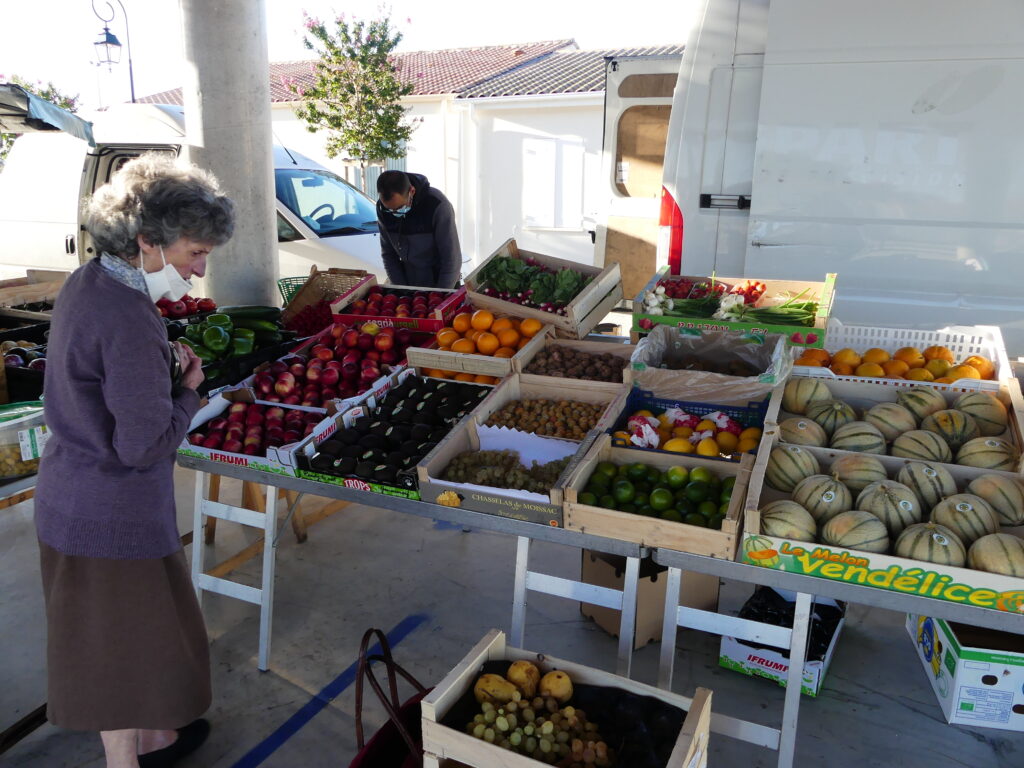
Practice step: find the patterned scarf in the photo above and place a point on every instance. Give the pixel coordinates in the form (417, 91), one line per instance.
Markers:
(123, 272)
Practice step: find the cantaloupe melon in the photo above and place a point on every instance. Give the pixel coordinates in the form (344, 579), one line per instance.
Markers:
(891, 419)
(802, 431)
(1004, 494)
(931, 483)
(998, 553)
(858, 530)
(788, 465)
(800, 392)
(786, 519)
(823, 496)
(955, 427)
(931, 543)
(857, 472)
(988, 453)
(923, 445)
(831, 414)
(968, 516)
(986, 409)
(858, 436)
(922, 401)
(893, 503)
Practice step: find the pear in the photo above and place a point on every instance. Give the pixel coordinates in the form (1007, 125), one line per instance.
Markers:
(556, 685)
(493, 688)
(525, 676)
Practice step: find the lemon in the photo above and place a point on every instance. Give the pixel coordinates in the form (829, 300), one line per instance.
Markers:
(746, 445)
(727, 441)
(920, 374)
(708, 447)
(664, 421)
(682, 431)
(678, 445)
(645, 414)
(706, 424)
(937, 367)
(751, 433)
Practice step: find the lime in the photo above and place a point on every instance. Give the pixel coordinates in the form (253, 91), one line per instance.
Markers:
(631, 508)
(702, 474)
(685, 506)
(723, 509)
(647, 511)
(642, 486)
(728, 483)
(697, 491)
(676, 477)
(708, 508)
(725, 495)
(695, 518)
(641, 498)
(672, 515)
(606, 501)
(588, 498)
(716, 522)
(623, 491)
(661, 499)
(637, 471)
(607, 469)
(600, 480)
(622, 471)
(653, 475)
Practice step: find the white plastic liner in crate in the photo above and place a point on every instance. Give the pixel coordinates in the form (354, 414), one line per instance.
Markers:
(962, 340)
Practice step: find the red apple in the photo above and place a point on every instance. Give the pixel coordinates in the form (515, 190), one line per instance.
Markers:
(256, 408)
(274, 424)
(335, 364)
(253, 418)
(337, 330)
(252, 450)
(369, 376)
(196, 438)
(292, 400)
(275, 434)
(238, 417)
(365, 341)
(383, 341)
(389, 356)
(368, 363)
(329, 377)
(292, 436)
(327, 393)
(350, 338)
(238, 408)
(325, 353)
(278, 367)
(272, 399)
(298, 370)
(403, 336)
(233, 445)
(357, 307)
(265, 384)
(308, 430)
(350, 371)
(285, 384)
(373, 355)
(235, 429)
(314, 373)
(311, 401)
(352, 356)
(217, 425)
(275, 412)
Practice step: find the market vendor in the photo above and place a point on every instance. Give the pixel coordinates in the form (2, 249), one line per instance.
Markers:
(418, 241)
(127, 650)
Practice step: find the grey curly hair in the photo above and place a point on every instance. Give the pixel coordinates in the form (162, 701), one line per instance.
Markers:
(161, 198)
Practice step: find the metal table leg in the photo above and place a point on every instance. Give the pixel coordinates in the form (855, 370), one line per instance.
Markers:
(794, 682)
(267, 586)
(627, 624)
(669, 629)
(519, 592)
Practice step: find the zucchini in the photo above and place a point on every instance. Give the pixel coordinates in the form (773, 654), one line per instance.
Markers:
(256, 324)
(253, 311)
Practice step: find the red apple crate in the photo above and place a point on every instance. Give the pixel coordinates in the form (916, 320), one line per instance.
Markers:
(326, 285)
(437, 318)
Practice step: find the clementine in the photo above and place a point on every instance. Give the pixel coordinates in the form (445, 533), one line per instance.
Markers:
(481, 379)
(912, 356)
(508, 337)
(820, 355)
(875, 355)
(939, 353)
(447, 336)
(963, 371)
(502, 324)
(530, 327)
(896, 369)
(920, 374)
(462, 322)
(841, 369)
(874, 370)
(464, 347)
(982, 364)
(487, 343)
(465, 377)
(847, 357)
(505, 352)
(482, 320)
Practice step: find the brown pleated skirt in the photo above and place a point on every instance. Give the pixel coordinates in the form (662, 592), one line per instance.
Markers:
(127, 647)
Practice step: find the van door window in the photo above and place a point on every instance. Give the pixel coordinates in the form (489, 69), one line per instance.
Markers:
(286, 233)
(640, 150)
(325, 202)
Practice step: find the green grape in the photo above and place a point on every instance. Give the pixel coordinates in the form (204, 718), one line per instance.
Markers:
(512, 721)
(562, 737)
(479, 719)
(516, 738)
(486, 707)
(529, 715)
(531, 745)
(502, 723)
(545, 745)
(528, 729)
(478, 730)
(489, 735)
(490, 715)
(548, 728)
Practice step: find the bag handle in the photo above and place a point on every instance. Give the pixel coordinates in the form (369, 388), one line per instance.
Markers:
(392, 704)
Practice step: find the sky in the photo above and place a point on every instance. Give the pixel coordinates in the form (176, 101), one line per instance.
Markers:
(52, 40)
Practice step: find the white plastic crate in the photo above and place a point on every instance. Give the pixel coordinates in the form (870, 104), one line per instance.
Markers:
(963, 340)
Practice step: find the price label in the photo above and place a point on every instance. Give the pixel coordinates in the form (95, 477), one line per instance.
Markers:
(32, 442)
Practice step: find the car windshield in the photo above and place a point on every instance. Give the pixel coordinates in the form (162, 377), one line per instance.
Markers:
(326, 203)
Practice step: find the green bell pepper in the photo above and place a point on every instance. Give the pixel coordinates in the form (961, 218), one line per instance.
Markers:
(241, 346)
(204, 354)
(194, 332)
(219, 319)
(244, 333)
(216, 339)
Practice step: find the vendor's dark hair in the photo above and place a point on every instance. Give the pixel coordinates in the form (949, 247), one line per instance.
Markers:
(161, 198)
(391, 183)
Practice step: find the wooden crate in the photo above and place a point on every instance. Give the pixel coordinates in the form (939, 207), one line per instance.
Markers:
(446, 360)
(625, 351)
(525, 386)
(582, 313)
(443, 743)
(864, 395)
(650, 531)
(441, 315)
(37, 285)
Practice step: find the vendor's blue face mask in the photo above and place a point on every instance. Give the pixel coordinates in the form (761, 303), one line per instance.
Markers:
(400, 212)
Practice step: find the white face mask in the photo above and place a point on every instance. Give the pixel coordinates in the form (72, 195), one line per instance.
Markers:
(165, 284)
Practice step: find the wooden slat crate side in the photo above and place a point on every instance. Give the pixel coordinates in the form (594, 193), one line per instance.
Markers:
(590, 321)
(691, 749)
(447, 692)
(446, 360)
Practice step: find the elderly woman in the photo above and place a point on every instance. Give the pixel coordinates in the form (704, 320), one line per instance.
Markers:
(127, 651)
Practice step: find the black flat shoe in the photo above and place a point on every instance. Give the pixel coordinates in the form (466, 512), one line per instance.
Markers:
(190, 738)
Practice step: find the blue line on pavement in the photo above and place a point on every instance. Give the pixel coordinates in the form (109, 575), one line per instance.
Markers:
(328, 693)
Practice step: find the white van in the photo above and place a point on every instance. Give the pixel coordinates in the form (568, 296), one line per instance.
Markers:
(880, 140)
(321, 219)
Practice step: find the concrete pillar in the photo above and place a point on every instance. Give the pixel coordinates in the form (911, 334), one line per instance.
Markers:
(226, 94)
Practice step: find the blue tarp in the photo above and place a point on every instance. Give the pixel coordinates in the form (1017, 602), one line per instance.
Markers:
(21, 112)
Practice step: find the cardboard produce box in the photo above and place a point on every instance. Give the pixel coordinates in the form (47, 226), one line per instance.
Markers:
(445, 709)
(697, 590)
(796, 335)
(585, 311)
(977, 674)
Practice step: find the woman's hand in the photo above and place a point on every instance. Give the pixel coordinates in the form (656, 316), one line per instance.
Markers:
(191, 367)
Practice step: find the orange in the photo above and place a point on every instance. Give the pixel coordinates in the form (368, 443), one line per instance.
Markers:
(482, 320)
(462, 322)
(937, 366)
(530, 327)
(447, 336)
(817, 354)
(920, 374)
(472, 333)
(727, 441)
(620, 438)
(841, 369)
(502, 324)
(436, 373)
(683, 432)
(873, 370)
(808, 361)
(846, 357)
(939, 353)
(523, 342)
(505, 352)
(445, 347)
(911, 356)
(982, 364)
(895, 368)
(507, 337)
(664, 435)
(481, 379)
(944, 380)
(963, 371)
(465, 377)
(464, 347)
(487, 343)
(875, 355)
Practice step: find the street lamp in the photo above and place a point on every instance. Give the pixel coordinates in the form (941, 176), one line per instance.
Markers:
(108, 47)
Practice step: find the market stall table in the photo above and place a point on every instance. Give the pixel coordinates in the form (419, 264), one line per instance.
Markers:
(784, 740)
(525, 580)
